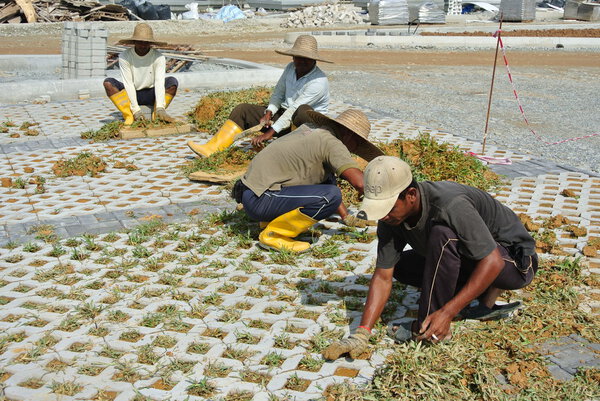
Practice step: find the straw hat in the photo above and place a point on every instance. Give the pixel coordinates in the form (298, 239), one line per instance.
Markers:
(304, 46)
(357, 122)
(142, 33)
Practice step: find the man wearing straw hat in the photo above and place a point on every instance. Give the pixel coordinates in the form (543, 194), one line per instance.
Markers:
(143, 73)
(303, 86)
(465, 245)
(290, 185)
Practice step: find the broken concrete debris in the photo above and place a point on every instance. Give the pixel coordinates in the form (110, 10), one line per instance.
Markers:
(17, 11)
(324, 15)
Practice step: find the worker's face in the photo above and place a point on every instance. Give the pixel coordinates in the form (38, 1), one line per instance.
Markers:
(142, 48)
(403, 209)
(303, 65)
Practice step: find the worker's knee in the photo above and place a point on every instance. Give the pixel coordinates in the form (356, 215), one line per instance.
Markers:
(111, 86)
(171, 85)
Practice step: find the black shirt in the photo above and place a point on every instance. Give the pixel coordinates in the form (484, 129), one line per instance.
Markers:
(479, 221)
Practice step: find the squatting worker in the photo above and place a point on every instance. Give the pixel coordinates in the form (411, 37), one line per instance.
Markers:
(303, 86)
(290, 185)
(143, 73)
(465, 246)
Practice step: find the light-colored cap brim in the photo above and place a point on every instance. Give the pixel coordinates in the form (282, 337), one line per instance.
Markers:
(303, 54)
(376, 209)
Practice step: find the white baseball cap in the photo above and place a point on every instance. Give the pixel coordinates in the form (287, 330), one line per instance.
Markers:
(384, 178)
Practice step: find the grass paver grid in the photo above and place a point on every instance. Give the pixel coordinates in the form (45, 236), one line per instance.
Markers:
(122, 311)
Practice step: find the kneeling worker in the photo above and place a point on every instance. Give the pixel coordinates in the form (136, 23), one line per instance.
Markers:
(465, 246)
(291, 184)
(143, 73)
(301, 84)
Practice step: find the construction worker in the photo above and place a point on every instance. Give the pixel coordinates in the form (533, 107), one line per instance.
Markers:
(290, 184)
(143, 73)
(302, 83)
(465, 246)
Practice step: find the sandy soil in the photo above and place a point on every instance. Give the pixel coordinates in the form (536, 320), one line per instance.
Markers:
(260, 49)
(546, 33)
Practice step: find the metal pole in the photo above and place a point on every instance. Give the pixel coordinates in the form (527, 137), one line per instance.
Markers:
(487, 117)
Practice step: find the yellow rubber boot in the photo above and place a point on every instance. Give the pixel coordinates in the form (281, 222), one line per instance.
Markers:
(222, 140)
(168, 99)
(121, 100)
(280, 232)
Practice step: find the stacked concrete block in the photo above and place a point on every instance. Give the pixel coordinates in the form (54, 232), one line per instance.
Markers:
(518, 10)
(83, 50)
(454, 7)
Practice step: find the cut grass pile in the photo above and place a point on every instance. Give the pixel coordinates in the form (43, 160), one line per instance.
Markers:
(213, 110)
(106, 132)
(433, 161)
(84, 163)
(468, 367)
(230, 160)
(112, 129)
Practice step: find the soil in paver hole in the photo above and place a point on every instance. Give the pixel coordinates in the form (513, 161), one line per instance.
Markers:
(346, 372)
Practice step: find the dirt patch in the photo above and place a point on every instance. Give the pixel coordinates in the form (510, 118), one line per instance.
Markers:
(542, 33)
(346, 372)
(84, 164)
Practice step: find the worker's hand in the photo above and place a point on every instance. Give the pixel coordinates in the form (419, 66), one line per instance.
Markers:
(355, 345)
(139, 116)
(436, 327)
(266, 119)
(259, 141)
(162, 114)
(353, 221)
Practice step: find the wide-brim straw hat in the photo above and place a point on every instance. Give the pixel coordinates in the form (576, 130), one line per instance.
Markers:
(304, 46)
(357, 122)
(142, 33)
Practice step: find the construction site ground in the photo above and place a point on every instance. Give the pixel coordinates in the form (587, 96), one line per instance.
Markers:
(123, 307)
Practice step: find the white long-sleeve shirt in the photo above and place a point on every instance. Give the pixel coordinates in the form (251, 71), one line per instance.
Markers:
(289, 93)
(141, 72)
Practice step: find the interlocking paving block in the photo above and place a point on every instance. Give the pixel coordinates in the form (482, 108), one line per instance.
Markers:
(568, 354)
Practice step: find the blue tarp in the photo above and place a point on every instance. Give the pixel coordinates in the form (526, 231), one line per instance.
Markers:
(229, 13)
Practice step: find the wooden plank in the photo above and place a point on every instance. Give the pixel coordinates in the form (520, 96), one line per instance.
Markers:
(9, 11)
(214, 178)
(133, 133)
(28, 10)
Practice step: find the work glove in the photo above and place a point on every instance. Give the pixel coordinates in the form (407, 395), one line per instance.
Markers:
(353, 221)
(356, 345)
(139, 116)
(162, 114)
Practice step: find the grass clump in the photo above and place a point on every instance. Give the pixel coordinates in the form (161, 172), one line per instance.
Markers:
(106, 132)
(213, 110)
(430, 160)
(84, 163)
(434, 161)
(229, 160)
(468, 366)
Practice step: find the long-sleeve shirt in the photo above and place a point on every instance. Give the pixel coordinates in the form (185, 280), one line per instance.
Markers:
(142, 72)
(289, 93)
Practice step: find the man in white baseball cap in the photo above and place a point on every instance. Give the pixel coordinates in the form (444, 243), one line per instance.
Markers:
(465, 246)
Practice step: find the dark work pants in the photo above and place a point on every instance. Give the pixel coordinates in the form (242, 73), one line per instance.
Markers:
(444, 271)
(316, 201)
(248, 115)
(145, 97)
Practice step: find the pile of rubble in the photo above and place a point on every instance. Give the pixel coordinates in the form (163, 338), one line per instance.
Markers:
(324, 15)
(17, 11)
